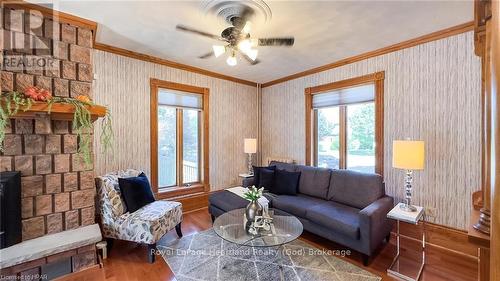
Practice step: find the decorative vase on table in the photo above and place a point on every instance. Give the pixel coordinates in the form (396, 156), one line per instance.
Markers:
(254, 208)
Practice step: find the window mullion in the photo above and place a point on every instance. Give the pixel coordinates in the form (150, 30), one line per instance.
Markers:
(315, 137)
(200, 148)
(180, 148)
(343, 137)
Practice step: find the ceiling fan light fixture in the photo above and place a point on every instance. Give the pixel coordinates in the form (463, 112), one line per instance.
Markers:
(252, 54)
(231, 61)
(218, 50)
(245, 45)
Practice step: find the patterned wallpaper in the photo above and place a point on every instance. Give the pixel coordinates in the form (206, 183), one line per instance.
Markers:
(432, 92)
(122, 84)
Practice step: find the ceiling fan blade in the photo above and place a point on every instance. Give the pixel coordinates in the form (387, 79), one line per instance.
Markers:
(249, 60)
(207, 55)
(283, 41)
(199, 32)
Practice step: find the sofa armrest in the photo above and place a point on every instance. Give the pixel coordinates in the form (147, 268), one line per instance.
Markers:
(373, 222)
(247, 182)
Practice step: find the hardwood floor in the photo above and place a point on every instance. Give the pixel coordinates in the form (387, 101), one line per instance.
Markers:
(127, 261)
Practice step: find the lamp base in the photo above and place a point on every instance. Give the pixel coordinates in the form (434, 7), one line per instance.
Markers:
(408, 208)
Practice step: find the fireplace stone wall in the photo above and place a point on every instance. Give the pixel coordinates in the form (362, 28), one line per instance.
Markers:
(57, 188)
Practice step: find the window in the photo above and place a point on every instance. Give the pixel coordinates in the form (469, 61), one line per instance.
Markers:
(344, 124)
(179, 138)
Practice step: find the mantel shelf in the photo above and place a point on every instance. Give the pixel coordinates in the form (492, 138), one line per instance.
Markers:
(59, 111)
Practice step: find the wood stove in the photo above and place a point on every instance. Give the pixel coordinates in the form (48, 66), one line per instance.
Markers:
(10, 209)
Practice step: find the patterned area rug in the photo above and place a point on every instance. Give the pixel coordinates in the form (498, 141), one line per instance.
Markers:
(205, 256)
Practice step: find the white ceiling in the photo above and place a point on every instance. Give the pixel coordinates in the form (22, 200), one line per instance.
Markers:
(325, 31)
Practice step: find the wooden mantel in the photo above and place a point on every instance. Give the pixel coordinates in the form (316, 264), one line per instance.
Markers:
(59, 111)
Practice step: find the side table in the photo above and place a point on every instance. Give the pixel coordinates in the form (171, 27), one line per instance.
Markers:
(409, 217)
(247, 180)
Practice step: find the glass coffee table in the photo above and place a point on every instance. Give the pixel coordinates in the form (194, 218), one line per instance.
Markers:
(284, 229)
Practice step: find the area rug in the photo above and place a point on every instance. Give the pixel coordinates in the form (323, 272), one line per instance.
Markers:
(205, 256)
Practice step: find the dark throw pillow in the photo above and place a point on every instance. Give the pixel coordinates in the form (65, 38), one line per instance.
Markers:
(285, 183)
(266, 179)
(136, 192)
(256, 174)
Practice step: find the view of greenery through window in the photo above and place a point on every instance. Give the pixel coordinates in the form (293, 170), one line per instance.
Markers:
(167, 150)
(191, 145)
(360, 137)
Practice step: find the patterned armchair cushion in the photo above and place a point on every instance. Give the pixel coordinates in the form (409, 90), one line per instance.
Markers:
(146, 225)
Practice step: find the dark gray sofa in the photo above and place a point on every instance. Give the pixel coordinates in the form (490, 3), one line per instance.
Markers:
(343, 206)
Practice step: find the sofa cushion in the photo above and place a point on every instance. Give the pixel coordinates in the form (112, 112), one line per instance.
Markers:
(227, 201)
(284, 166)
(256, 173)
(314, 181)
(355, 189)
(295, 205)
(149, 223)
(335, 216)
(285, 183)
(136, 192)
(266, 179)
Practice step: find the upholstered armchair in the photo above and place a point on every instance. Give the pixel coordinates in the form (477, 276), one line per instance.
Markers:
(146, 225)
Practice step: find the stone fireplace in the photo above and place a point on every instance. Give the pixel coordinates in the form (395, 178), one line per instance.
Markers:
(57, 188)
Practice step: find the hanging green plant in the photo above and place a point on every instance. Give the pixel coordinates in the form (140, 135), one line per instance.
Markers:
(9, 106)
(82, 126)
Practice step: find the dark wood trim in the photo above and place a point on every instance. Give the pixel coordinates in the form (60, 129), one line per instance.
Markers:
(206, 139)
(168, 63)
(309, 120)
(378, 79)
(454, 30)
(342, 138)
(379, 129)
(495, 140)
(61, 17)
(204, 185)
(192, 202)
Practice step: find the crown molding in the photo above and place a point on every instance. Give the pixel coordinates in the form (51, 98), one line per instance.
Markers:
(50, 13)
(168, 63)
(454, 30)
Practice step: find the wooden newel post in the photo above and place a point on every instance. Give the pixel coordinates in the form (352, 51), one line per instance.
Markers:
(495, 141)
(483, 34)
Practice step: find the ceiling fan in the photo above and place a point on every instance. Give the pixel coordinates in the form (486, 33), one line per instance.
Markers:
(237, 40)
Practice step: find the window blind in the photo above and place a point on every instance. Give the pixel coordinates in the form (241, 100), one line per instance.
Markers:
(180, 99)
(358, 94)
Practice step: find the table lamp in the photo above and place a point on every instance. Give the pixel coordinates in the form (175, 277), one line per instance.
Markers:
(408, 155)
(250, 147)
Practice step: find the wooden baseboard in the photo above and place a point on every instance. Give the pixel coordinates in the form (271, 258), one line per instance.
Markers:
(192, 202)
(441, 237)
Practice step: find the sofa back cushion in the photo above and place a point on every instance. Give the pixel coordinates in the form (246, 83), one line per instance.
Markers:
(257, 171)
(284, 166)
(285, 182)
(314, 181)
(355, 189)
(136, 192)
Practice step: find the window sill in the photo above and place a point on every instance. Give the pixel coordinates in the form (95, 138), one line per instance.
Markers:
(175, 191)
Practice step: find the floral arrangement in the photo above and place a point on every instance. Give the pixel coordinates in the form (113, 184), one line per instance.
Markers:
(253, 193)
(12, 102)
